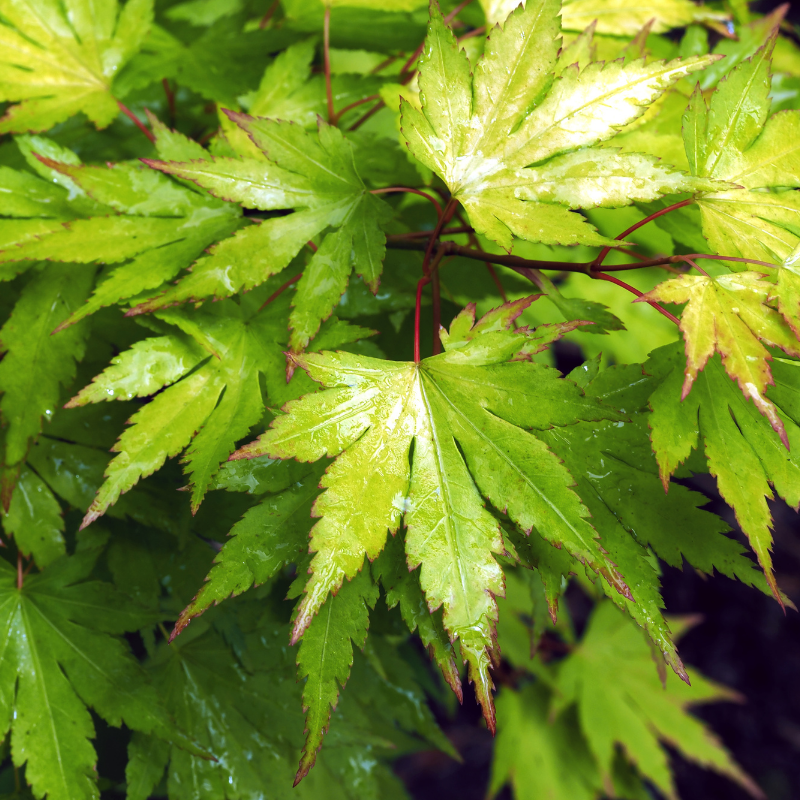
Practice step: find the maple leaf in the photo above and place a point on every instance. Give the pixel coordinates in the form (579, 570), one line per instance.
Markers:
(638, 712)
(212, 396)
(112, 214)
(614, 462)
(269, 536)
(34, 519)
(733, 138)
(216, 402)
(473, 394)
(540, 756)
(743, 452)
(228, 707)
(515, 146)
(326, 656)
(316, 174)
(289, 91)
(615, 17)
(60, 60)
(729, 315)
(35, 364)
(60, 654)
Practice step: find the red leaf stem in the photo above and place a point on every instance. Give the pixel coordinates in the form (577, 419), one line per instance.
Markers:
(603, 277)
(136, 121)
(606, 250)
(279, 291)
(392, 189)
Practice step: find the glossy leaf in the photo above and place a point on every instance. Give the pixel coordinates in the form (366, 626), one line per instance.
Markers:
(638, 712)
(315, 174)
(60, 59)
(729, 315)
(369, 415)
(482, 135)
(113, 214)
(743, 452)
(36, 364)
(58, 656)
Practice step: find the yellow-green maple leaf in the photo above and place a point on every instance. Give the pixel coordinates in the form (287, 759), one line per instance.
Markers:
(60, 58)
(729, 315)
(516, 145)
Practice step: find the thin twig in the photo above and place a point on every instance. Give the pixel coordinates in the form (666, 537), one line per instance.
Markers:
(136, 121)
(444, 218)
(606, 250)
(357, 103)
(386, 63)
(426, 234)
(474, 32)
(584, 267)
(361, 120)
(603, 277)
(692, 263)
(20, 573)
(423, 281)
(393, 189)
(170, 101)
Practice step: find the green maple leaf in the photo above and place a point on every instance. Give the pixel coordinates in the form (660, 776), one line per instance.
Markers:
(229, 701)
(729, 315)
(539, 756)
(743, 452)
(473, 394)
(289, 91)
(515, 145)
(733, 138)
(326, 657)
(269, 536)
(313, 173)
(120, 214)
(34, 519)
(59, 653)
(614, 462)
(61, 59)
(211, 398)
(36, 365)
(615, 17)
(227, 709)
(638, 711)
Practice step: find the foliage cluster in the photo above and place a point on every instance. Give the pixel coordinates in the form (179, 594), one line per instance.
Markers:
(282, 285)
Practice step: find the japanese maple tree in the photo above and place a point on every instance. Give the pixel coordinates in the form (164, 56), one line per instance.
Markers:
(285, 289)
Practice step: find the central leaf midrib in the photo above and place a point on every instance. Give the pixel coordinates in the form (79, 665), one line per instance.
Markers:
(508, 461)
(452, 538)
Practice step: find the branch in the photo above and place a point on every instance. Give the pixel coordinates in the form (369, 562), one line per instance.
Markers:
(585, 267)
